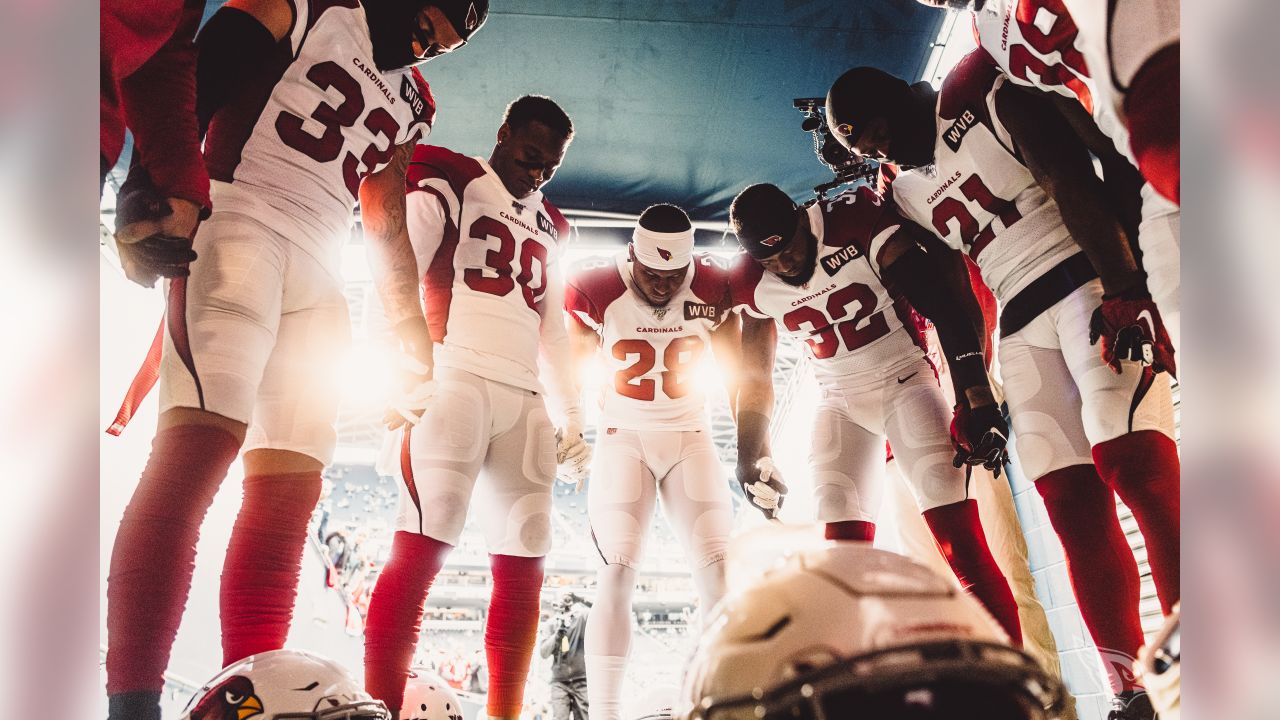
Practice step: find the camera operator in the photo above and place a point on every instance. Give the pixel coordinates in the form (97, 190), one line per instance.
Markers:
(562, 641)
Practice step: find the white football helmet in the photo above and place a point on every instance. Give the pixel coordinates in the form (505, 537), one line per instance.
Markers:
(849, 631)
(284, 685)
(428, 697)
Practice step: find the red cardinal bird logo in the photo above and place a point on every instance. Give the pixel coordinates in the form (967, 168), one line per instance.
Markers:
(473, 17)
(664, 254)
(771, 240)
(231, 700)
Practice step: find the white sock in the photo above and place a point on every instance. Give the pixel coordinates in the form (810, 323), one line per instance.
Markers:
(604, 686)
(608, 641)
(711, 585)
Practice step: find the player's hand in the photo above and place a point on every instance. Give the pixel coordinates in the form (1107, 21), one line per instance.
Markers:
(1130, 328)
(411, 404)
(979, 436)
(414, 363)
(154, 235)
(573, 452)
(763, 486)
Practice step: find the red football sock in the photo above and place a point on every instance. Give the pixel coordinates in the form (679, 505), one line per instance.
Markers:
(1103, 572)
(155, 550)
(395, 614)
(511, 630)
(1152, 109)
(1144, 470)
(850, 530)
(958, 531)
(264, 560)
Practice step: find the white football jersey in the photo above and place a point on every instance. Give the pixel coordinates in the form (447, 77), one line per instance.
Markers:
(650, 352)
(846, 317)
(1037, 44)
(978, 196)
(488, 262)
(292, 149)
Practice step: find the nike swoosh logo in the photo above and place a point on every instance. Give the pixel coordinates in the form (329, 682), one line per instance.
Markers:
(1146, 314)
(902, 380)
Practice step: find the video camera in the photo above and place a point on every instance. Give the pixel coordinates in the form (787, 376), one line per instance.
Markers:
(847, 167)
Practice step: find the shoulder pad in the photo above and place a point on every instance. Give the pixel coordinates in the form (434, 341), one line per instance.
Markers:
(967, 86)
(592, 285)
(435, 162)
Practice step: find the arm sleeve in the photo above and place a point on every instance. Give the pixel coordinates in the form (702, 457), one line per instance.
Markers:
(427, 222)
(159, 102)
(557, 353)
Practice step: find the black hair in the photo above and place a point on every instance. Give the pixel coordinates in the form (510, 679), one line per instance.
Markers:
(664, 217)
(538, 108)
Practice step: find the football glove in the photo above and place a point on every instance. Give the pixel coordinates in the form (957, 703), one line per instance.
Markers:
(420, 388)
(1130, 328)
(573, 452)
(763, 486)
(148, 258)
(979, 437)
(413, 365)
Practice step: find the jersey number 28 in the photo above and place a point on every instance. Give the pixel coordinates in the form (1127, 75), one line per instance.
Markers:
(682, 353)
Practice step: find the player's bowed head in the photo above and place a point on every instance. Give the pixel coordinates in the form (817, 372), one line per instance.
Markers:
(878, 116)
(661, 251)
(408, 32)
(532, 141)
(775, 231)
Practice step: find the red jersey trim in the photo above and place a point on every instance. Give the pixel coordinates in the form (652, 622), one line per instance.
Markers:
(592, 291)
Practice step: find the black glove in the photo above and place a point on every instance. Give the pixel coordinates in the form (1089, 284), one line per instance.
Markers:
(157, 255)
(979, 437)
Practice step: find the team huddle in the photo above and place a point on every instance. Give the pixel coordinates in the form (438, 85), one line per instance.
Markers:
(1052, 293)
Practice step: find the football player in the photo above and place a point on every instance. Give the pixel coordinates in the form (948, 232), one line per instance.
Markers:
(1036, 44)
(1119, 59)
(828, 275)
(309, 106)
(998, 175)
(484, 243)
(652, 312)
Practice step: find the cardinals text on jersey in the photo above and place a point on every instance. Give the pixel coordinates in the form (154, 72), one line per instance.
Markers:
(650, 352)
(486, 260)
(293, 148)
(978, 196)
(844, 314)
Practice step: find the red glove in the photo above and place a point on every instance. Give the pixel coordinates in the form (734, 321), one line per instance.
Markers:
(979, 437)
(1130, 328)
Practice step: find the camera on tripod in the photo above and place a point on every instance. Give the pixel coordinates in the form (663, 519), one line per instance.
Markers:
(848, 168)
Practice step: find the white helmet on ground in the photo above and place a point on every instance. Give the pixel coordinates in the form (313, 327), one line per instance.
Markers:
(428, 697)
(284, 684)
(850, 631)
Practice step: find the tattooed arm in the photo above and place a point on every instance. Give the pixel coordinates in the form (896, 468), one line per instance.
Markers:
(391, 256)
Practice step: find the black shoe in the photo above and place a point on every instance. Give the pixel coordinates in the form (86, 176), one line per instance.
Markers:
(1132, 705)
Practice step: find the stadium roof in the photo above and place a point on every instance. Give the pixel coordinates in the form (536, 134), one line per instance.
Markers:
(673, 101)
